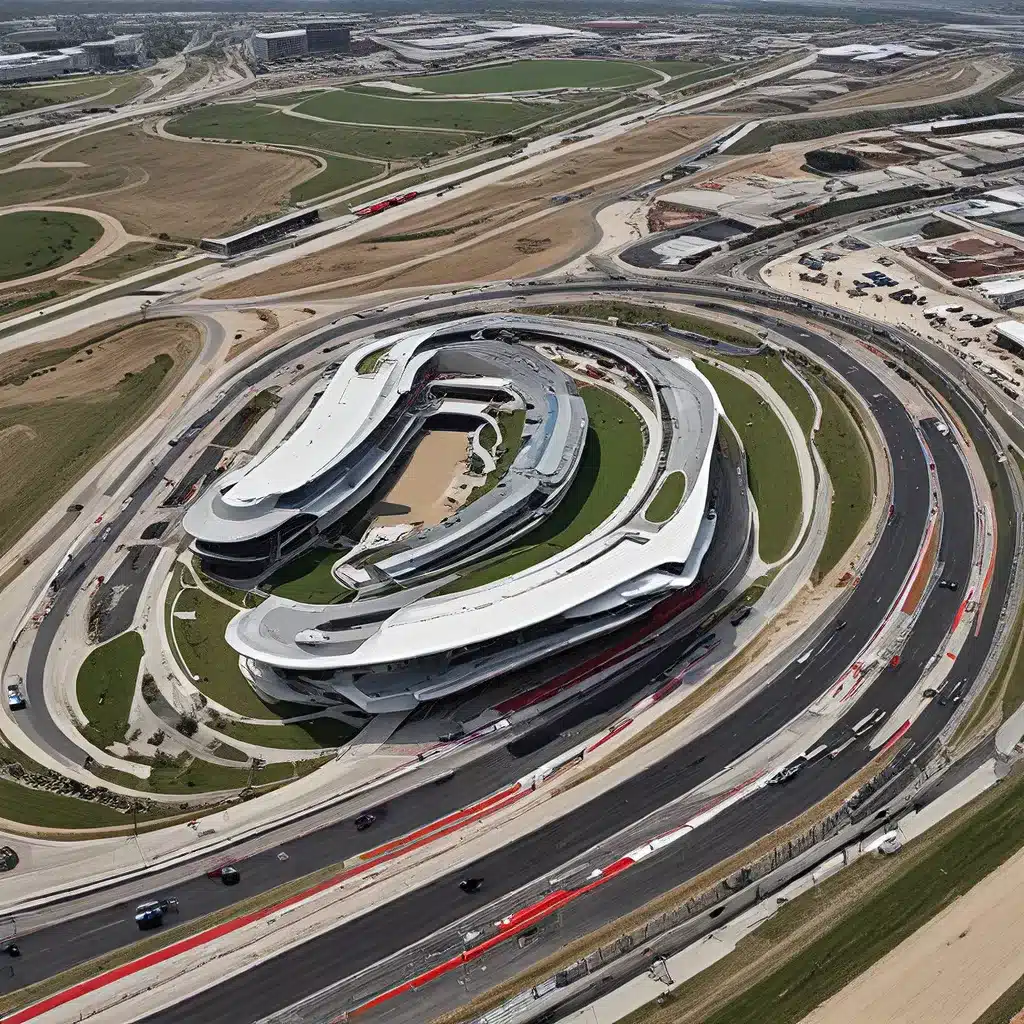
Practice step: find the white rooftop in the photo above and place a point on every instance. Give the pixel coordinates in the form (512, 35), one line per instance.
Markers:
(288, 33)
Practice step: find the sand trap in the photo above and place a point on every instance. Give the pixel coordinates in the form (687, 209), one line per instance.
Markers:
(438, 462)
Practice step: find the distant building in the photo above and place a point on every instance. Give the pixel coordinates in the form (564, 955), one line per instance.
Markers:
(118, 52)
(270, 46)
(24, 67)
(328, 36)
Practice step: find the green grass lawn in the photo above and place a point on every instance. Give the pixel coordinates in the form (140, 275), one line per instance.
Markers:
(340, 173)
(490, 118)
(51, 810)
(15, 101)
(246, 122)
(34, 241)
(207, 654)
(106, 687)
(630, 313)
(308, 578)
(848, 462)
(667, 500)
(311, 735)
(511, 425)
(132, 259)
(612, 455)
(782, 381)
(530, 75)
(771, 462)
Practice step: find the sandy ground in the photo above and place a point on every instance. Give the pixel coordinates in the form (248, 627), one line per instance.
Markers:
(99, 368)
(508, 205)
(188, 191)
(951, 970)
(930, 83)
(439, 459)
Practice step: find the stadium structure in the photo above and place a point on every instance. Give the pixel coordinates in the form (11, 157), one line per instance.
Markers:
(422, 621)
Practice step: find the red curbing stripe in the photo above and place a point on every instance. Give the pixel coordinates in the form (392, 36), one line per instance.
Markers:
(435, 826)
(160, 956)
(608, 735)
(897, 735)
(960, 614)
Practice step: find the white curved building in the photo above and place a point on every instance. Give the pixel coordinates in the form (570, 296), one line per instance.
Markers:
(416, 631)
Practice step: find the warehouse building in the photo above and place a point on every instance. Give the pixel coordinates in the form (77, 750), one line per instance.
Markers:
(271, 46)
(328, 37)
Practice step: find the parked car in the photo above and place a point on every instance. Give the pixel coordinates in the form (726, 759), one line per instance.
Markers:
(15, 698)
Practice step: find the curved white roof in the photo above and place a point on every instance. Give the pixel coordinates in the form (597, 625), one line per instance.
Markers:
(349, 410)
(624, 550)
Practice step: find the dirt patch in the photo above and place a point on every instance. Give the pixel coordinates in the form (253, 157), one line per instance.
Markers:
(929, 84)
(184, 189)
(439, 459)
(479, 213)
(65, 404)
(81, 365)
(924, 571)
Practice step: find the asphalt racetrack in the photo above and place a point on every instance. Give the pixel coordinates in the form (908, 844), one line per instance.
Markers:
(287, 978)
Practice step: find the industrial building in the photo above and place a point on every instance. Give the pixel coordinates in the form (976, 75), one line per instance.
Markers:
(421, 626)
(268, 47)
(117, 52)
(328, 37)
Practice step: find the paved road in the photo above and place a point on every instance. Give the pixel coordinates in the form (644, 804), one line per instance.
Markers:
(760, 717)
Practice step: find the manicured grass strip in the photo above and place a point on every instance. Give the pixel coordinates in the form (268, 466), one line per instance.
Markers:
(106, 688)
(782, 381)
(308, 579)
(207, 655)
(667, 500)
(52, 810)
(529, 75)
(848, 463)
(340, 173)
(882, 922)
(246, 122)
(490, 118)
(771, 461)
(612, 454)
(629, 313)
(314, 734)
(34, 242)
(372, 360)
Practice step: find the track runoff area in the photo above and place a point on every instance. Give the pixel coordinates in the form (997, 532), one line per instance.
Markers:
(283, 980)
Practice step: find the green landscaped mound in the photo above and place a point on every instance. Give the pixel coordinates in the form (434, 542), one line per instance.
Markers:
(32, 241)
(488, 118)
(667, 500)
(531, 75)
(106, 688)
(612, 454)
(772, 468)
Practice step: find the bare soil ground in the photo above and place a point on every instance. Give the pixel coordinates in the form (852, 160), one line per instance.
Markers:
(93, 369)
(930, 83)
(439, 458)
(951, 970)
(64, 404)
(523, 250)
(153, 185)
